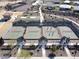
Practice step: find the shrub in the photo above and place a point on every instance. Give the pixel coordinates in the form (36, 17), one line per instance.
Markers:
(54, 48)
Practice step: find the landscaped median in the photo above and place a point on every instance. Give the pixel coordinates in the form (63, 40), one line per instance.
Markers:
(55, 51)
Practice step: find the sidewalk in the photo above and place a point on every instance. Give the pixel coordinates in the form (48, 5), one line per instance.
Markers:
(67, 51)
(26, 44)
(46, 58)
(41, 15)
(43, 51)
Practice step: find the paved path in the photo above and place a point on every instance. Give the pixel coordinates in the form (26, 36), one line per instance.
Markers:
(40, 11)
(41, 15)
(67, 51)
(48, 58)
(18, 52)
(43, 51)
(55, 58)
(26, 44)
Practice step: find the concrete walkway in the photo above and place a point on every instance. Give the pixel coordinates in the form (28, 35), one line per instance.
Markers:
(43, 51)
(55, 58)
(41, 15)
(46, 58)
(67, 51)
(39, 2)
(47, 44)
(18, 52)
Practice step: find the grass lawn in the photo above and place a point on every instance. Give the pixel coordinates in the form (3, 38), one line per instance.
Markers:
(24, 54)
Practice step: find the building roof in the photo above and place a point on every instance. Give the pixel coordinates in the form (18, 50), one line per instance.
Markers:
(67, 1)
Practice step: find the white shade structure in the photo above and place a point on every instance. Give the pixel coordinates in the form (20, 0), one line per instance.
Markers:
(76, 2)
(65, 6)
(67, 1)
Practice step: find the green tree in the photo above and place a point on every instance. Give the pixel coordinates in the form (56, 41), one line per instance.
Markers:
(54, 48)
